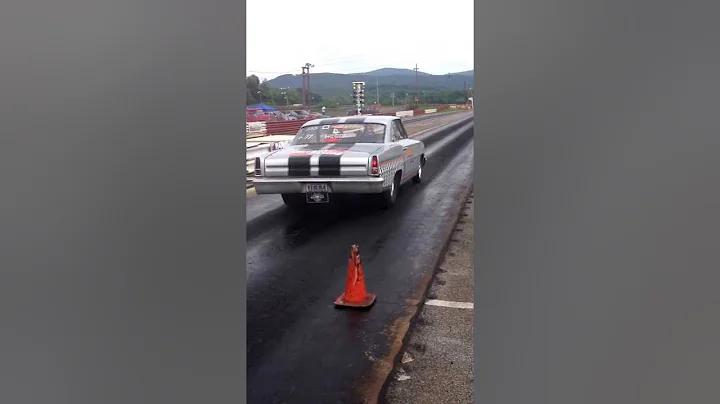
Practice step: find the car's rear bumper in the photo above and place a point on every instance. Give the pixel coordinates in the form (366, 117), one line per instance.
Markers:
(338, 185)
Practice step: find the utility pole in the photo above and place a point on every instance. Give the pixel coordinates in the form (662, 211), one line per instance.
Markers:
(392, 97)
(416, 82)
(283, 92)
(304, 86)
(466, 91)
(307, 96)
(377, 90)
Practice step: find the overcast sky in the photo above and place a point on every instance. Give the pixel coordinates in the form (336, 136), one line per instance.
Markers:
(436, 35)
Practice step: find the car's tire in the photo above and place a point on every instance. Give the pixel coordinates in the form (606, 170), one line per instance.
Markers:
(389, 196)
(418, 177)
(293, 200)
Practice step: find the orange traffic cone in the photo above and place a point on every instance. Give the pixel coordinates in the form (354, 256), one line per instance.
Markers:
(355, 294)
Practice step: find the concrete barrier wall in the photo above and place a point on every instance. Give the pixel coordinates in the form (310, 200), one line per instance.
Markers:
(430, 111)
(284, 127)
(256, 151)
(256, 129)
(404, 113)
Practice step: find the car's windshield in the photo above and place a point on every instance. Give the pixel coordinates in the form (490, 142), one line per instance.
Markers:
(341, 133)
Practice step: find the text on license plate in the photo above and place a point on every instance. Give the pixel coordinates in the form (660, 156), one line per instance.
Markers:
(316, 188)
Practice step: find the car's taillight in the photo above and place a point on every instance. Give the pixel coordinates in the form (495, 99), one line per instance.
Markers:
(258, 169)
(374, 166)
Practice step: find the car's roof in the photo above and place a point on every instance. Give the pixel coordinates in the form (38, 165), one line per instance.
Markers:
(381, 119)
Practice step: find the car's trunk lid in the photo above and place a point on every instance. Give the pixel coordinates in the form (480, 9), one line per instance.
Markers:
(321, 160)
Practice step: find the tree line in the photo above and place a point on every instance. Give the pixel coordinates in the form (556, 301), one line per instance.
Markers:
(259, 92)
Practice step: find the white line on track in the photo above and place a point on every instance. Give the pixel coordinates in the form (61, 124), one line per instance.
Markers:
(445, 303)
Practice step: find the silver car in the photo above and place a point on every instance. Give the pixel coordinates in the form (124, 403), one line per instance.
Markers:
(348, 155)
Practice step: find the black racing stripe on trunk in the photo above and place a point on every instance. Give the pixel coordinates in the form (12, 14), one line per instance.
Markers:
(329, 121)
(329, 165)
(355, 119)
(299, 166)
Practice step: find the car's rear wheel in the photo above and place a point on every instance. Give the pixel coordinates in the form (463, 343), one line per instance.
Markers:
(293, 199)
(418, 177)
(388, 197)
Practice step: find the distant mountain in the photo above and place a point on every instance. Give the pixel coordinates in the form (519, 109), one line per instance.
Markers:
(328, 84)
(390, 71)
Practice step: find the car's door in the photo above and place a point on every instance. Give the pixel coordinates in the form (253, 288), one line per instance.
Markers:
(411, 148)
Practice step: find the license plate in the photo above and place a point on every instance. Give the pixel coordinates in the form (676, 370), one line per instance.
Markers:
(317, 197)
(312, 188)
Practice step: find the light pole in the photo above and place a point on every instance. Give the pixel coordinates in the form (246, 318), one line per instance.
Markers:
(392, 97)
(260, 93)
(283, 92)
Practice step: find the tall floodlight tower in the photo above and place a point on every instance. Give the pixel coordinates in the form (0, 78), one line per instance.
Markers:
(359, 95)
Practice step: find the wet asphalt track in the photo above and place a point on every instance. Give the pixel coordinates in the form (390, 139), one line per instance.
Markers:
(300, 349)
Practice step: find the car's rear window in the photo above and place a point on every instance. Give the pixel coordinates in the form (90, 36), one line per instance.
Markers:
(341, 133)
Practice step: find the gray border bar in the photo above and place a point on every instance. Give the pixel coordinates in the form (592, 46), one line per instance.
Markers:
(597, 204)
(122, 210)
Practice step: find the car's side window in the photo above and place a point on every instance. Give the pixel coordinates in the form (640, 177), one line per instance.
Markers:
(394, 134)
(399, 131)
